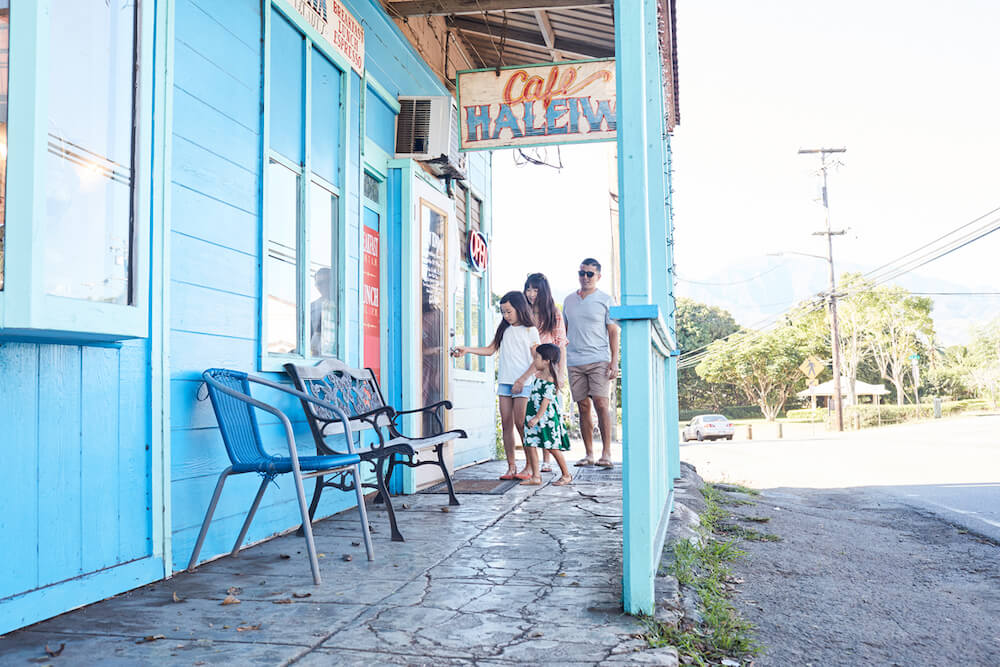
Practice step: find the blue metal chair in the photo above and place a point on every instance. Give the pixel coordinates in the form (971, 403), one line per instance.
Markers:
(234, 410)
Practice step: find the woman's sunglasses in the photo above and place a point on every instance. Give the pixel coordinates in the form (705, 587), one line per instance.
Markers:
(589, 274)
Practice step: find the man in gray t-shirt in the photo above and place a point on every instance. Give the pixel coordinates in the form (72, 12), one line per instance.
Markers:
(591, 358)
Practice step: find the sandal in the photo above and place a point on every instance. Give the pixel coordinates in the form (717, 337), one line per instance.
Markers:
(604, 463)
(545, 468)
(584, 462)
(522, 475)
(506, 477)
(563, 481)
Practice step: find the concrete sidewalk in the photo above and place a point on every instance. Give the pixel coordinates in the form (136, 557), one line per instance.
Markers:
(530, 576)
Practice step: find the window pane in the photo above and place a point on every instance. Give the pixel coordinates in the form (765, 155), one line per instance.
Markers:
(325, 135)
(287, 48)
(372, 188)
(460, 220)
(477, 214)
(323, 307)
(432, 234)
(89, 167)
(460, 329)
(476, 363)
(282, 259)
(4, 66)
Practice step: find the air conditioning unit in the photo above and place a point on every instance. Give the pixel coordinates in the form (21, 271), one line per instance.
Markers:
(427, 131)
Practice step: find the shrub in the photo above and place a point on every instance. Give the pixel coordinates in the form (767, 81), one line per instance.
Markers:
(874, 415)
(732, 412)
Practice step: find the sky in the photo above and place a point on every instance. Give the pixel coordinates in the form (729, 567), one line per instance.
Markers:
(908, 87)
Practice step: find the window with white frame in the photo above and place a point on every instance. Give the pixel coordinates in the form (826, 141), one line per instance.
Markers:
(469, 325)
(301, 222)
(89, 207)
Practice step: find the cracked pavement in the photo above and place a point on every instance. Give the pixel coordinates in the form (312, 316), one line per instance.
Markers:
(530, 576)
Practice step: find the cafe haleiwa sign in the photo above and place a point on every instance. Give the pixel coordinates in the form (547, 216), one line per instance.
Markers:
(532, 105)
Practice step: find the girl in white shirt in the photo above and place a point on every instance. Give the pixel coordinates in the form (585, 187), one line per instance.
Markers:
(516, 339)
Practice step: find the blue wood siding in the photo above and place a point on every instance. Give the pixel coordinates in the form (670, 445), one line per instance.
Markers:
(380, 122)
(215, 266)
(77, 486)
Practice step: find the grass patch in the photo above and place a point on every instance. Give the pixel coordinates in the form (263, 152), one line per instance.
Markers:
(723, 634)
(735, 488)
(748, 534)
(755, 519)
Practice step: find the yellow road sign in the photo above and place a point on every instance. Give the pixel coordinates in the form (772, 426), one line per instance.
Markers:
(813, 382)
(812, 367)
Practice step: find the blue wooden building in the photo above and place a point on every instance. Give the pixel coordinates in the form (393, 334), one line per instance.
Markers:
(197, 183)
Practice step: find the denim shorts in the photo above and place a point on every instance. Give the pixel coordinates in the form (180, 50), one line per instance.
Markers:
(508, 390)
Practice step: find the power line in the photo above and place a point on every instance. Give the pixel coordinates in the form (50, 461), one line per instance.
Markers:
(735, 282)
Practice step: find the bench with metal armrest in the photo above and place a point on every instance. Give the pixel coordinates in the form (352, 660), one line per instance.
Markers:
(356, 392)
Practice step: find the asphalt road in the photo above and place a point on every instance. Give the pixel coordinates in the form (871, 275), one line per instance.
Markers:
(887, 549)
(950, 467)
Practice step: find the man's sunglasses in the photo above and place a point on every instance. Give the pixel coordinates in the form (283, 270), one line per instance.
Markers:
(589, 274)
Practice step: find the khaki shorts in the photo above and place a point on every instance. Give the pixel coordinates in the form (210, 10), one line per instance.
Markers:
(589, 380)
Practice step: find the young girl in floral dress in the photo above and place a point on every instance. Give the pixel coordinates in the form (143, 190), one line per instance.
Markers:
(545, 429)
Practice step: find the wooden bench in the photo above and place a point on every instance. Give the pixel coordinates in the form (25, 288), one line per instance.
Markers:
(356, 392)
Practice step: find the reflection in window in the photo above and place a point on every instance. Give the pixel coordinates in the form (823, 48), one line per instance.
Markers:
(282, 259)
(476, 363)
(461, 337)
(88, 242)
(432, 230)
(323, 306)
(4, 68)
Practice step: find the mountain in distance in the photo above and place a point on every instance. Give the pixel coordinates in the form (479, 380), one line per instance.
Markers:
(755, 290)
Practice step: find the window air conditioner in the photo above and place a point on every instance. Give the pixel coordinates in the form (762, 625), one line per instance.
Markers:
(427, 131)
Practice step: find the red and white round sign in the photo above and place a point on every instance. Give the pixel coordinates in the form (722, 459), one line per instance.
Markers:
(479, 252)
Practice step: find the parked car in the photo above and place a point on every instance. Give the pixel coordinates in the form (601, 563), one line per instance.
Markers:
(708, 427)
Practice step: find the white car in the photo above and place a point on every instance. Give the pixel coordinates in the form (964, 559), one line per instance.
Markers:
(708, 427)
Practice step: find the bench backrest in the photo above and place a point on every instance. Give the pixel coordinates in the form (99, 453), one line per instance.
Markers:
(353, 390)
(237, 420)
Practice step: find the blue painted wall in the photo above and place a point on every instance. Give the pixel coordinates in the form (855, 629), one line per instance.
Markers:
(76, 481)
(75, 428)
(215, 242)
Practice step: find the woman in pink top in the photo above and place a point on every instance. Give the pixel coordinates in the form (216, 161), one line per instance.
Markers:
(549, 322)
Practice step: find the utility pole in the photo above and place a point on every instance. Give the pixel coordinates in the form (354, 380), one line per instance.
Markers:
(838, 402)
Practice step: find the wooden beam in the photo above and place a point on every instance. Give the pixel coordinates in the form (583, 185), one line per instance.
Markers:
(520, 36)
(446, 7)
(542, 17)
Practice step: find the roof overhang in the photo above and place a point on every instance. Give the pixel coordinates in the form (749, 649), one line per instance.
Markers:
(500, 33)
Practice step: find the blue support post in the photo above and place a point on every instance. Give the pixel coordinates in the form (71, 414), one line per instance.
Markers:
(649, 396)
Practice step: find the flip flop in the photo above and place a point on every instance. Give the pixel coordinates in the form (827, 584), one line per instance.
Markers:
(562, 483)
(604, 463)
(584, 462)
(522, 475)
(506, 477)
(545, 468)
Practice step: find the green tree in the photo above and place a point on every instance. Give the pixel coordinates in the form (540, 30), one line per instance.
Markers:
(899, 323)
(764, 366)
(698, 325)
(984, 370)
(858, 317)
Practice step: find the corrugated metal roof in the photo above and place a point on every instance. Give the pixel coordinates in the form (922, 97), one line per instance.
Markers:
(500, 33)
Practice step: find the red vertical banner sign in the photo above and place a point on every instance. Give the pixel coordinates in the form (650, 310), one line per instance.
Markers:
(372, 308)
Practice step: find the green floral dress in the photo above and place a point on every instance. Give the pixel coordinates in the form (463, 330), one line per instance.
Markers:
(550, 433)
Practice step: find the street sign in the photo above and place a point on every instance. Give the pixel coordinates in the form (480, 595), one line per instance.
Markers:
(914, 357)
(813, 382)
(812, 367)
